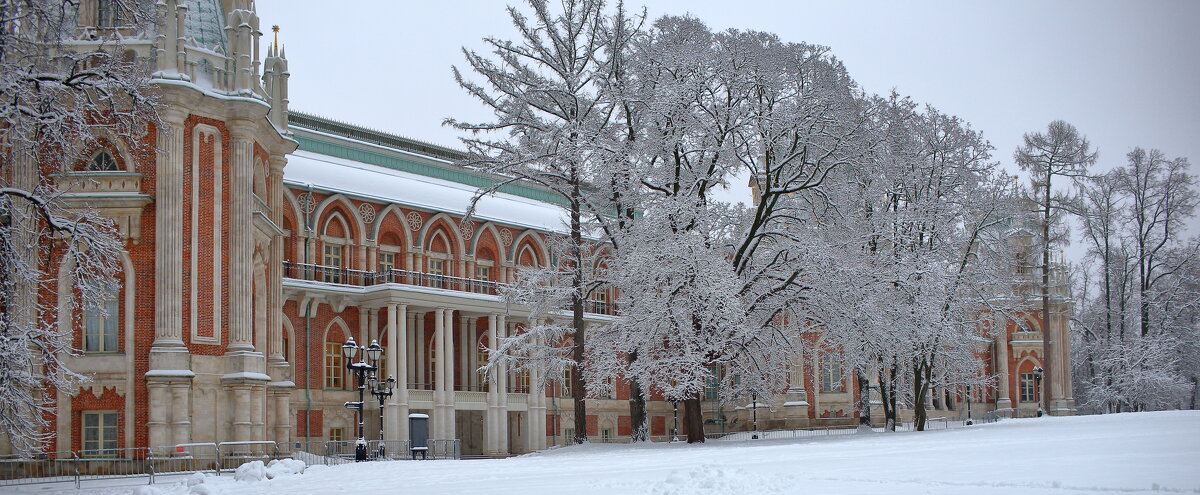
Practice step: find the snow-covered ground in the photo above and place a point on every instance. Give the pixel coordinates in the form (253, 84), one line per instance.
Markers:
(1143, 452)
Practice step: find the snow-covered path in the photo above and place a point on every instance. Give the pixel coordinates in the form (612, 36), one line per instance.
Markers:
(1097, 454)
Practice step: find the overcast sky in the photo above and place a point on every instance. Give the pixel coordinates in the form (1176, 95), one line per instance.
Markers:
(1125, 73)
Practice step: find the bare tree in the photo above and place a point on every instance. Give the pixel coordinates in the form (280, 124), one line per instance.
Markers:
(56, 100)
(1060, 153)
(1139, 286)
(543, 91)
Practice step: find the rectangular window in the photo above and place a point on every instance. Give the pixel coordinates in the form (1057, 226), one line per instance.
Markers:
(108, 14)
(100, 433)
(387, 263)
(601, 298)
(1028, 388)
(566, 383)
(712, 384)
(606, 435)
(337, 434)
(335, 367)
(523, 382)
(831, 374)
(482, 273)
(437, 268)
(100, 326)
(333, 263)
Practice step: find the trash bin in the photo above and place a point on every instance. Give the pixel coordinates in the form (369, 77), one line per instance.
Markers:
(418, 434)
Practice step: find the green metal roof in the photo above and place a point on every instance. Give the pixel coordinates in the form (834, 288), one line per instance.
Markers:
(454, 173)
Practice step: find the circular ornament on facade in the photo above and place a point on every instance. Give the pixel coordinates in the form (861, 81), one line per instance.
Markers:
(506, 237)
(367, 212)
(414, 221)
(307, 203)
(466, 228)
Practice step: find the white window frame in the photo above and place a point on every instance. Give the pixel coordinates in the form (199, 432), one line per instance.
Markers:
(334, 360)
(105, 323)
(105, 442)
(333, 256)
(828, 384)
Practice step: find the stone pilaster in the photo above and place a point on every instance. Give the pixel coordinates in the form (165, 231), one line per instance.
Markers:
(241, 240)
(796, 406)
(281, 407)
(158, 408)
(181, 419)
(1003, 398)
(278, 366)
(167, 351)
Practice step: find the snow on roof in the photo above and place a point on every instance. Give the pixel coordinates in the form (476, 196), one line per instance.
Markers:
(367, 181)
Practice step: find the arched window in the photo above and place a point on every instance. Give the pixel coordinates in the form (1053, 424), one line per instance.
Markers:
(831, 373)
(102, 161)
(440, 256)
(336, 243)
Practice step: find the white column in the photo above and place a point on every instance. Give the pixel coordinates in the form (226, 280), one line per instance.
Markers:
(492, 426)
(422, 352)
(502, 390)
(1003, 399)
(449, 367)
(401, 359)
(362, 327)
(439, 382)
(241, 241)
(181, 424)
(372, 326)
(464, 362)
(168, 232)
(532, 435)
(473, 353)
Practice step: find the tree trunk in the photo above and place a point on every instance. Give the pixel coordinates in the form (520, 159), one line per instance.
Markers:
(864, 399)
(887, 392)
(637, 409)
(921, 376)
(578, 392)
(1047, 339)
(693, 419)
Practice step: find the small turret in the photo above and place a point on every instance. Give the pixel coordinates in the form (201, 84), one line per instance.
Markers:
(171, 39)
(275, 82)
(242, 31)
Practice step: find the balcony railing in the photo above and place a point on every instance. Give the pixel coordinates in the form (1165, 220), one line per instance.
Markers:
(363, 278)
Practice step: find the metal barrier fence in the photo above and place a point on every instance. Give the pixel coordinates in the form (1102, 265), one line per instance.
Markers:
(79, 466)
(938, 423)
(394, 450)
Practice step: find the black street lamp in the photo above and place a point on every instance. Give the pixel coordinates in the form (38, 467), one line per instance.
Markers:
(675, 429)
(969, 422)
(1037, 387)
(381, 389)
(754, 412)
(360, 370)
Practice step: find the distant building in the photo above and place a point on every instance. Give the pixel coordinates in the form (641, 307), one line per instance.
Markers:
(260, 240)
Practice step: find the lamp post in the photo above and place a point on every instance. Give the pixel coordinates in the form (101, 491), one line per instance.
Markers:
(1037, 387)
(969, 422)
(360, 369)
(675, 429)
(381, 389)
(754, 413)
